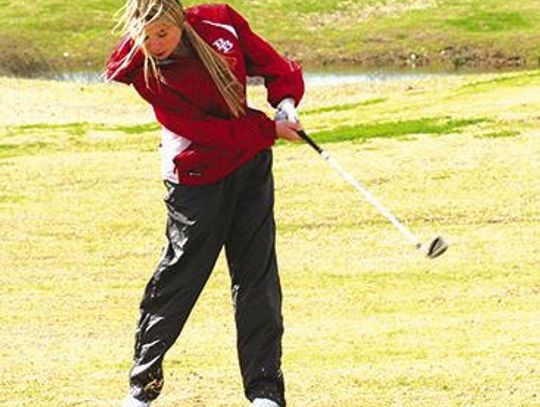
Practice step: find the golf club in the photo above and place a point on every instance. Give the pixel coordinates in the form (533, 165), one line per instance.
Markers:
(433, 249)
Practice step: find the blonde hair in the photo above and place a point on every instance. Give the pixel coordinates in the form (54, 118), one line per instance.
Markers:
(138, 14)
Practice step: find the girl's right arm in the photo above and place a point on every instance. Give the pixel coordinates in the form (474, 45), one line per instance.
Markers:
(250, 131)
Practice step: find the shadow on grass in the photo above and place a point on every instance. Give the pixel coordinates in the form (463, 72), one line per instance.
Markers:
(395, 129)
(510, 80)
(44, 138)
(499, 134)
(82, 128)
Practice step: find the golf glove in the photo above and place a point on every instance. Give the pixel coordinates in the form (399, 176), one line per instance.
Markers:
(287, 111)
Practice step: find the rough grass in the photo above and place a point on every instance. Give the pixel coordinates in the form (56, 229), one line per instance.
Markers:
(368, 321)
(58, 36)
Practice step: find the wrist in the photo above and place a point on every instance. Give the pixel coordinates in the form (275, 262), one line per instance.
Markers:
(286, 103)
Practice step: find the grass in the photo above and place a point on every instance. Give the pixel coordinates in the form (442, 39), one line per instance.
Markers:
(435, 126)
(486, 22)
(68, 136)
(55, 36)
(347, 106)
(368, 321)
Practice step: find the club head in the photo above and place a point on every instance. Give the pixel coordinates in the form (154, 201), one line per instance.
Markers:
(437, 247)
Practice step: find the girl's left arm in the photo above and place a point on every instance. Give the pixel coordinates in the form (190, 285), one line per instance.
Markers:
(283, 78)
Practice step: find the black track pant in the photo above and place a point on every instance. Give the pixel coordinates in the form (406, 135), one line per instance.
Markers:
(236, 212)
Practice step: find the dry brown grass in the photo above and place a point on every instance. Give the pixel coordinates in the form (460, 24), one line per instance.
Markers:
(351, 13)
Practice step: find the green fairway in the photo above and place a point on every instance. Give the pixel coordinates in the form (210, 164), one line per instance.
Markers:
(369, 322)
(54, 35)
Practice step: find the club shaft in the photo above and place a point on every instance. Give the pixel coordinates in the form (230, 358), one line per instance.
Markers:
(359, 187)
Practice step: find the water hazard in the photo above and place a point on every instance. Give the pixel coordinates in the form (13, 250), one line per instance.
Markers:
(328, 77)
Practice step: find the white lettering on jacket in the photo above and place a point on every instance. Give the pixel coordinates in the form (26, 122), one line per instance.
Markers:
(223, 45)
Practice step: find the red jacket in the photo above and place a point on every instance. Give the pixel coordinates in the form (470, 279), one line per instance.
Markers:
(191, 106)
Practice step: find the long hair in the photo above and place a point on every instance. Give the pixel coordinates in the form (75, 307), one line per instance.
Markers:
(136, 15)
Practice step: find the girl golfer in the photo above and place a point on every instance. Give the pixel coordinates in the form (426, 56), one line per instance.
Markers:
(191, 66)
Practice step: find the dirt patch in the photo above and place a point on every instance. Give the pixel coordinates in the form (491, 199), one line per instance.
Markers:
(21, 57)
(351, 13)
(446, 58)
(477, 58)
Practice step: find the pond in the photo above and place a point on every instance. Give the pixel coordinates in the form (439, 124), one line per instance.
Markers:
(348, 77)
(312, 77)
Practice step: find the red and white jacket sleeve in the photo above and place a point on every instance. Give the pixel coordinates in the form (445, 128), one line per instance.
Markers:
(181, 117)
(282, 77)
